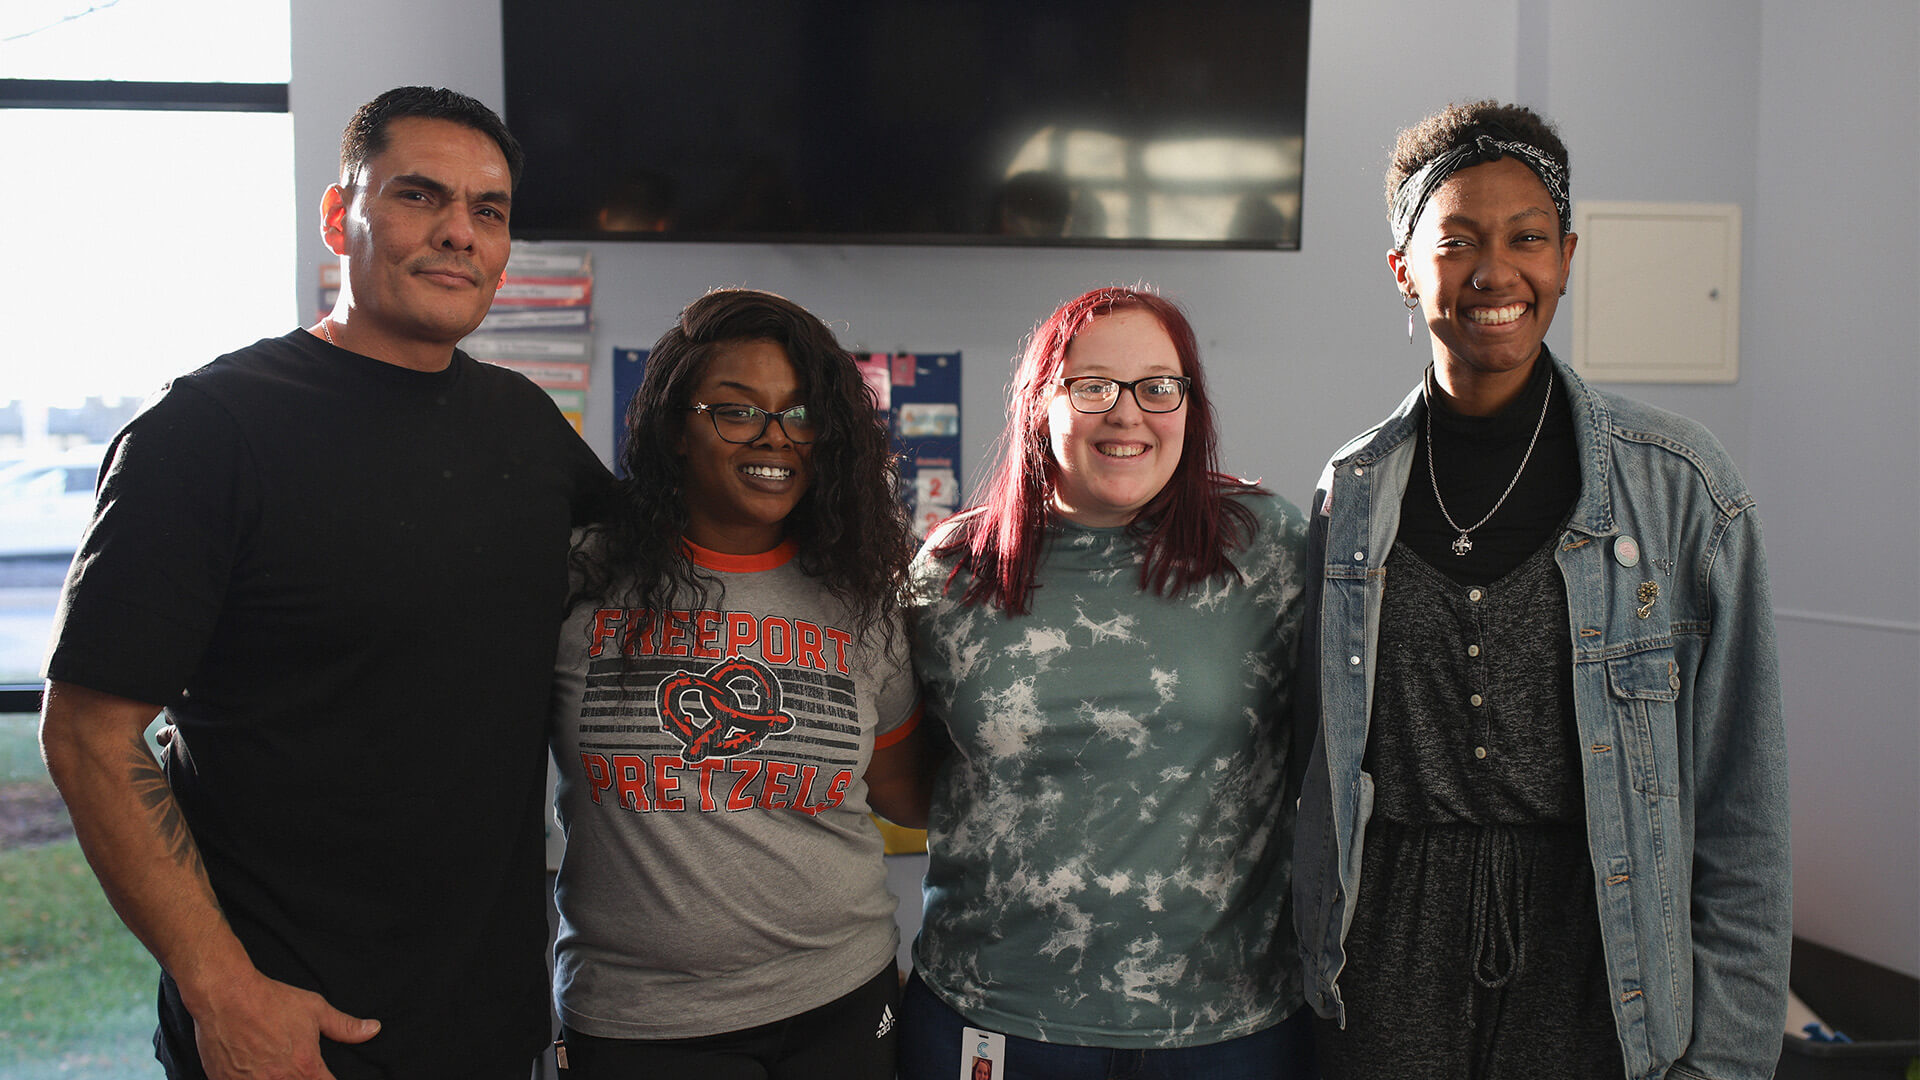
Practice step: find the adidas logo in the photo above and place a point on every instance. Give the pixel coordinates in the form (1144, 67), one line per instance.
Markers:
(886, 1022)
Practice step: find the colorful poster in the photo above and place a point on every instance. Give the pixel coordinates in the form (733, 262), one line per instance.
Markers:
(924, 416)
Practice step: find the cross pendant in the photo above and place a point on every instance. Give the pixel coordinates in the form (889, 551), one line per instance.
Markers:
(1462, 545)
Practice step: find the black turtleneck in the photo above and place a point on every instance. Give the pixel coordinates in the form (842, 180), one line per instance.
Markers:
(1474, 458)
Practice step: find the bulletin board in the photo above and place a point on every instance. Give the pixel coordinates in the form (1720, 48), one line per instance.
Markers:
(919, 397)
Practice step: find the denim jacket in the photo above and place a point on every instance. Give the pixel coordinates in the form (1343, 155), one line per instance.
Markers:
(1677, 704)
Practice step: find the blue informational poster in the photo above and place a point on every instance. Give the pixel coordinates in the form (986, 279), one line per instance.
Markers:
(917, 393)
(629, 365)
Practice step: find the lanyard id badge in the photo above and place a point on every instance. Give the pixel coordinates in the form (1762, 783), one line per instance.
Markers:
(983, 1055)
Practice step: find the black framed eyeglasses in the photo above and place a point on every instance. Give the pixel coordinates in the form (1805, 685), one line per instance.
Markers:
(1098, 394)
(738, 423)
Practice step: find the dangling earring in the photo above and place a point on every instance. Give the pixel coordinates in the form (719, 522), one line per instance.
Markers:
(1413, 305)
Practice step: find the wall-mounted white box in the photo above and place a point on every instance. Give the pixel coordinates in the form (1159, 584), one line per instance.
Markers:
(1656, 292)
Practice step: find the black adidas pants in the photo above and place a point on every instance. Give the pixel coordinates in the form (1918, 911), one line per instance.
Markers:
(853, 1038)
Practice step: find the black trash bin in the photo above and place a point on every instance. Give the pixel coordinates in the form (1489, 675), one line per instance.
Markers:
(1876, 1007)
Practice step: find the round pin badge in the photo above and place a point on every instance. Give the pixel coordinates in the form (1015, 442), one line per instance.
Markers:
(1626, 551)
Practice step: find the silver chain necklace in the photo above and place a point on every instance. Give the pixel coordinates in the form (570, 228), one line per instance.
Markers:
(1462, 545)
(327, 332)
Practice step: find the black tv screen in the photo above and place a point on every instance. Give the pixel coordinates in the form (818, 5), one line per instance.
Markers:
(1126, 123)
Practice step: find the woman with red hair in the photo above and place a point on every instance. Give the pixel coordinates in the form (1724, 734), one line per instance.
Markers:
(1108, 634)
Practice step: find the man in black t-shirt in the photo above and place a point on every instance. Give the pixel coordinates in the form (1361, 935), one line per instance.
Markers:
(336, 561)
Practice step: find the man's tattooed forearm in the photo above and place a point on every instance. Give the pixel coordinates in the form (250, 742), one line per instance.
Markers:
(150, 785)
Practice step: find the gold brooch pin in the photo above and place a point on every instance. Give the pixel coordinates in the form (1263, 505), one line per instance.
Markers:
(1649, 592)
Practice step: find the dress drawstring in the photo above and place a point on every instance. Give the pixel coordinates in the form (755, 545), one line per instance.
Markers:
(1494, 908)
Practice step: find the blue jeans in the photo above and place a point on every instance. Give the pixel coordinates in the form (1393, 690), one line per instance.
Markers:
(930, 1050)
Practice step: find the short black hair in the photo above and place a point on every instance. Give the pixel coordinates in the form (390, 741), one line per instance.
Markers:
(1457, 125)
(366, 134)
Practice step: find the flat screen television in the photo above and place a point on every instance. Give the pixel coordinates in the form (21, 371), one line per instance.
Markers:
(1128, 123)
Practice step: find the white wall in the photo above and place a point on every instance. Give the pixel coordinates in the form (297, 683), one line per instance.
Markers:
(1662, 109)
(1833, 325)
(1808, 118)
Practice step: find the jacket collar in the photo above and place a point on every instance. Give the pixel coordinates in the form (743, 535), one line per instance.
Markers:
(1592, 438)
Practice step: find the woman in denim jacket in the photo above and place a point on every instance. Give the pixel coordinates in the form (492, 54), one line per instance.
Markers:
(1539, 677)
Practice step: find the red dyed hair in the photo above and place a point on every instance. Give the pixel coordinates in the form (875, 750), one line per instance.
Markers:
(1188, 529)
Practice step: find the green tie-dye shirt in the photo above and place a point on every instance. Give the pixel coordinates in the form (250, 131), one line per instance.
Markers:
(1109, 847)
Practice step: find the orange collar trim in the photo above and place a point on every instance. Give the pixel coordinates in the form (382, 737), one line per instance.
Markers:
(723, 563)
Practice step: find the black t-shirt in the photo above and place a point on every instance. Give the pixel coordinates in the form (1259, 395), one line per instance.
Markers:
(344, 581)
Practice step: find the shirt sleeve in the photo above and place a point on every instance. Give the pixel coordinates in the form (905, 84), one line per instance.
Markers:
(146, 589)
(590, 485)
(570, 661)
(896, 695)
(1742, 902)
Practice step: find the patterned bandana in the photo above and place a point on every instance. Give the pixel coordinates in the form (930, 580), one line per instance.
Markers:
(1418, 188)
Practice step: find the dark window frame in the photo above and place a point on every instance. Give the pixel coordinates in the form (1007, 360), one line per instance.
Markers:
(153, 96)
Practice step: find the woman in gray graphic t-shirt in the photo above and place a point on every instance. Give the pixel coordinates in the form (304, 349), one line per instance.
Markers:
(733, 697)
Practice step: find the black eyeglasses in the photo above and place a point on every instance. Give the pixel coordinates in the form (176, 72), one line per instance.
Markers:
(744, 423)
(1098, 394)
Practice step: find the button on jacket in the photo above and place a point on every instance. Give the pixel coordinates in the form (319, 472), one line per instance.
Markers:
(1677, 703)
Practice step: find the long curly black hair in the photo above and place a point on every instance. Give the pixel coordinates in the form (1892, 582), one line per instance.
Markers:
(850, 527)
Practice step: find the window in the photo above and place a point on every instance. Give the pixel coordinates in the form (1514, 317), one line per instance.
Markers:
(150, 228)
(151, 218)
(205, 42)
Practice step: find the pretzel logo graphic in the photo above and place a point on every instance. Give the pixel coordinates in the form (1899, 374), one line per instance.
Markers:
(732, 726)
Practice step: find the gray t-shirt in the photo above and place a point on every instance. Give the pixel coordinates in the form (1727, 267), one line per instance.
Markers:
(1109, 848)
(721, 870)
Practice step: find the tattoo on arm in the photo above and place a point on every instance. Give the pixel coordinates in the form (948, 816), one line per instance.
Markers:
(156, 797)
